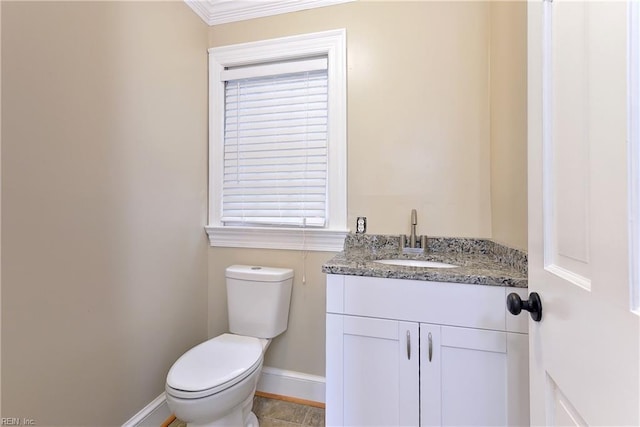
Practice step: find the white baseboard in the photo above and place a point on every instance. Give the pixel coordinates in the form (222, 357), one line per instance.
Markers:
(292, 384)
(272, 380)
(152, 415)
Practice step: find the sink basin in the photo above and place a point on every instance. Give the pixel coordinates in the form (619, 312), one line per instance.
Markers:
(416, 263)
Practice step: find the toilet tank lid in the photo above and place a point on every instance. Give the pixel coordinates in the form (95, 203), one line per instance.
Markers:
(258, 273)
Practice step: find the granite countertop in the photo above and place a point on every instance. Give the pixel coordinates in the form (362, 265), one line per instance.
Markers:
(480, 261)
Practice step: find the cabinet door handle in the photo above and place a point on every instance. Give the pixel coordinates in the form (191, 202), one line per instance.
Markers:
(430, 347)
(408, 345)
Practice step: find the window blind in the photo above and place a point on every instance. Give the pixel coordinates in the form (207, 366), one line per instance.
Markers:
(275, 145)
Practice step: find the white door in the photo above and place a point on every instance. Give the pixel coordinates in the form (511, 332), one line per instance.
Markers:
(584, 353)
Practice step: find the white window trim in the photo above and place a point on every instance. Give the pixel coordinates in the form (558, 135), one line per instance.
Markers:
(331, 237)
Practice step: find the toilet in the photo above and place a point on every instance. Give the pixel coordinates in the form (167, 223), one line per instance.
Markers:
(213, 383)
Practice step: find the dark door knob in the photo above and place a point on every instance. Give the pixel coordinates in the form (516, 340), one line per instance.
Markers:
(533, 305)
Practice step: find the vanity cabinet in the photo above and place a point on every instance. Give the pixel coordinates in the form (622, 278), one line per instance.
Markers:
(409, 353)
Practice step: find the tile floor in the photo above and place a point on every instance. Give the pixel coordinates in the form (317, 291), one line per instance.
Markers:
(278, 413)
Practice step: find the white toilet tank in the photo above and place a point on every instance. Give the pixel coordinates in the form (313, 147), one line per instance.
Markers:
(258, 300)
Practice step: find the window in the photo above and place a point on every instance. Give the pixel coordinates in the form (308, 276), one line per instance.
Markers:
(278, 143)
(275, 145)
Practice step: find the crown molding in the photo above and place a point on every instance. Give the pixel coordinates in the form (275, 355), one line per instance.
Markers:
(215, 12)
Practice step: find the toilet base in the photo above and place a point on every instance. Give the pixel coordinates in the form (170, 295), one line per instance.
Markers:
(251, 420)
(229, 408)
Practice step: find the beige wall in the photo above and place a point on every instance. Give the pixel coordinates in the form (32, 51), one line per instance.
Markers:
(509, 123)
(418, 122)
(419, 136)
(104, 171)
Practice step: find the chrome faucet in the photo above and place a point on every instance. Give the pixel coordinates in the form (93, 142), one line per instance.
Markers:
(413, 239)
(418, 243)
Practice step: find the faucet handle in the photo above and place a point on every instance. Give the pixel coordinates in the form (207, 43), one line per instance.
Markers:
(414, 217)
(403, 241)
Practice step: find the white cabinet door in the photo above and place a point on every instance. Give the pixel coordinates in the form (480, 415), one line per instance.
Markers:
(474, 377)
(463, 376)
(379, 372)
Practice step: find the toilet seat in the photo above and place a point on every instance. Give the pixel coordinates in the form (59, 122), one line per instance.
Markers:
(214, 366)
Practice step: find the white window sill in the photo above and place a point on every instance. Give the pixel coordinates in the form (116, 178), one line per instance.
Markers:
(277, 238)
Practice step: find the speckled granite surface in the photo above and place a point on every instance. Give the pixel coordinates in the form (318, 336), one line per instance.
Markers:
(479, 261)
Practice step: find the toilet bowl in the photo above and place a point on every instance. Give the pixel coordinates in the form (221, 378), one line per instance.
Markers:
(213, 383)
